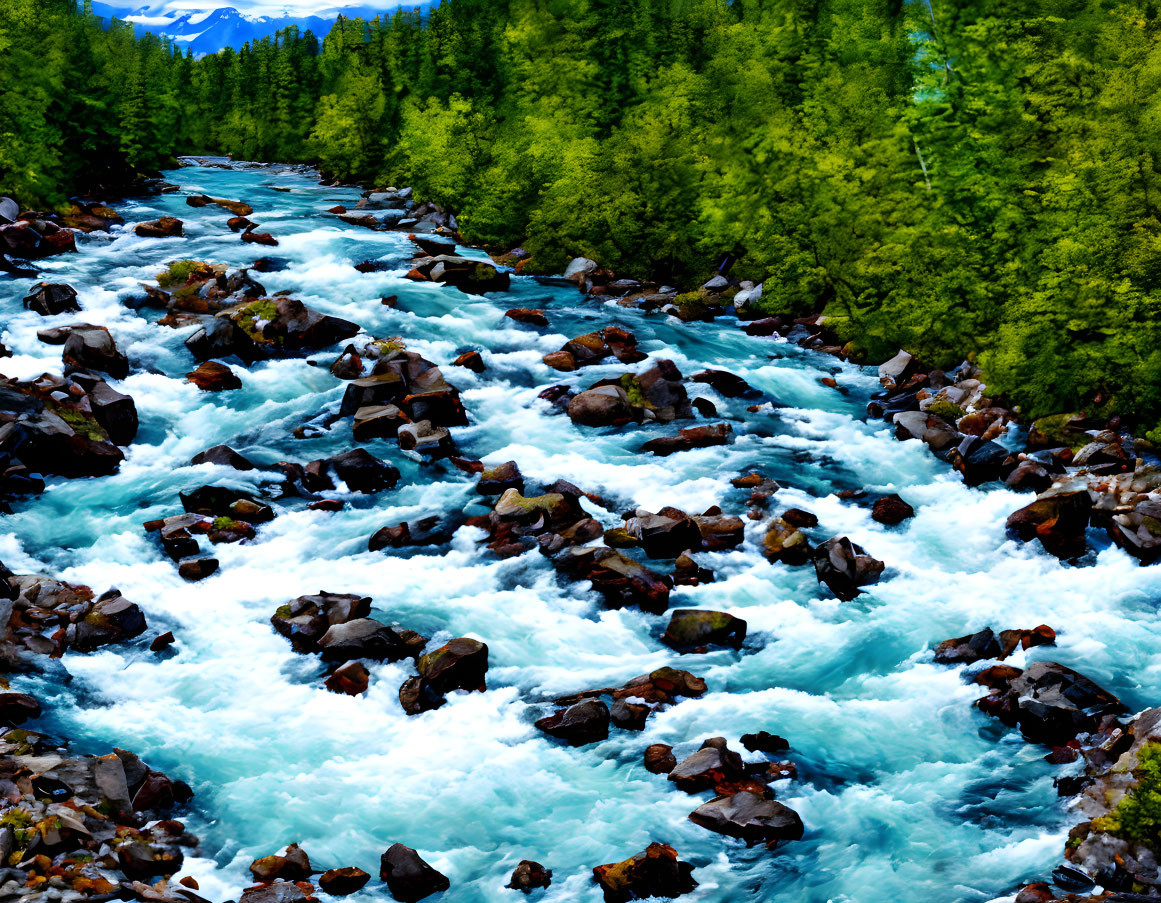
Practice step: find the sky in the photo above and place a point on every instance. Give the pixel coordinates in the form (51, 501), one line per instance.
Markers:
(256, 7)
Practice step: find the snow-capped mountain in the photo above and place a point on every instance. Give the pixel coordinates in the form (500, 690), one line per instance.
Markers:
(209, 30)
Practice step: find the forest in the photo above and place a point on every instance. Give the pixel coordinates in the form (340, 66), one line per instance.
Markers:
(956, 178)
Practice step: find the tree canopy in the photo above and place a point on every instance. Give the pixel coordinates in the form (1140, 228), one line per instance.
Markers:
(968, 177)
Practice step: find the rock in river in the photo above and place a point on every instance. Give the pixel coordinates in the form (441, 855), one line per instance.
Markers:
(529, 875)
(845, 567)
(408, 877)
(694, 630)
(48, 298)
(460, 664)
(585, 722)
(1051, 704)
(166, 227)
(343, 881)
(654, 872)
(749, 817)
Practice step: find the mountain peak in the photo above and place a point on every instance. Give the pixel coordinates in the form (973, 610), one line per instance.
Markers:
(210, 30)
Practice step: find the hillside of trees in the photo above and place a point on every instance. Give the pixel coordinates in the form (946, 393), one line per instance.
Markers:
(953, 177)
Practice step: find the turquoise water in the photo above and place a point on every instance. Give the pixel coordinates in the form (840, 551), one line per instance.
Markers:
(907, 792)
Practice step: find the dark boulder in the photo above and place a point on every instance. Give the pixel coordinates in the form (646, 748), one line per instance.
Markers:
(408, 877)
(659, 758)
(711, 767)
(366, 638)
(343, 881)
(276, 892)
(979, 460)
(1050, 703)
(16, 708)
(986, 644)
(460, 664)
(585, 722)
(845, 567)
(1029, 475)
(380, 389)
(764, 741)
(114, 412)
(304, 620)
(92, 348)
(291, 865)
(654, 872)
(601, 406)
(785, 542)
(621, 580)
(726, 383)
(113, 619)
(473, 277)
(166, 227)
(968, 649)
(694, 437)
(471, 360)
(751, 818)
(362, 472)
(1058, 519)
(529, 876)
(693, 630)
(221, 501)
(666, 534)
(223, 456)
(194, 569)
(527, 315)
(629, 716)
(891, 510)
(664, 685)
(260, 238)
(497, 480)
(49, 298)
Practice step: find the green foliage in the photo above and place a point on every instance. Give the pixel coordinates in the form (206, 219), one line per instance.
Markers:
(1137, 817)
(949, 177)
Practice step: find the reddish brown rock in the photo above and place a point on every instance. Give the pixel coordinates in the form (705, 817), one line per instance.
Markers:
(166, 227)
(212, 376)
(470, 360)
(343, 881)
(659, 758)
(351, 679)
(891, 510)
(527, 315)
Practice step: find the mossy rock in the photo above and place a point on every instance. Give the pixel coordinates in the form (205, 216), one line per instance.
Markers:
(948, 410)
(1052, 431)
(249, 316)
(179, 272)
(632, 387)
(83, 424)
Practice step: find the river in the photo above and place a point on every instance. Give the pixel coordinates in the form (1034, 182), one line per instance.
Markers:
(908, 793)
